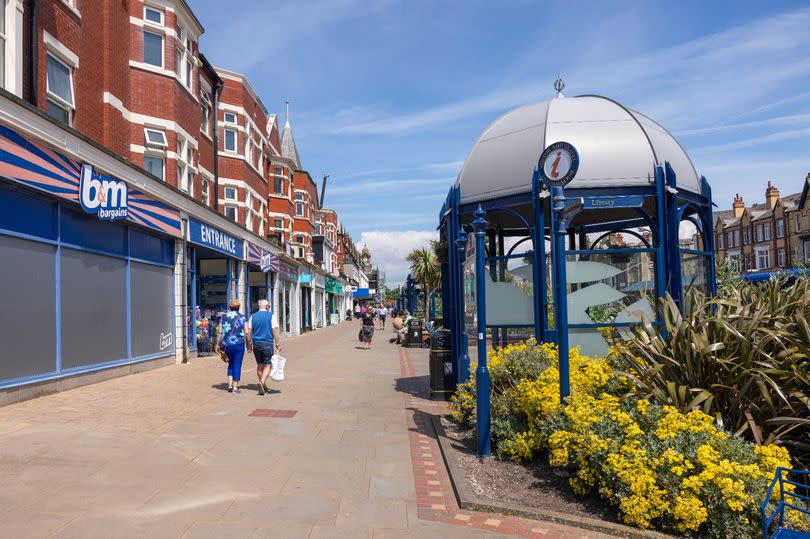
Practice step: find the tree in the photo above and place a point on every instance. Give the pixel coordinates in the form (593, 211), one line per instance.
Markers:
(426, 270)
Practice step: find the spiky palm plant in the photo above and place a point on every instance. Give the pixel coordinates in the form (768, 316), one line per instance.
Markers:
(426, 270)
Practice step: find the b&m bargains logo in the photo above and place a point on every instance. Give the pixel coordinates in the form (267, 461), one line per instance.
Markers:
(102, 195)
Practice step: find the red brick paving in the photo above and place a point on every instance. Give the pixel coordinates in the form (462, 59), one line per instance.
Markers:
(435, 499)
(269, 412)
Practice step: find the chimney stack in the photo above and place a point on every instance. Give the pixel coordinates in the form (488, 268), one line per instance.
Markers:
(739, 206)
(771, 195)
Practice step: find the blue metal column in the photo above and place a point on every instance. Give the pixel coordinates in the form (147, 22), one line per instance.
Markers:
(661, 252)
(673, 247)
(432, 306)
(708, 236)
(484, 448)
(539, 261)
(560, 289)
(463, 359)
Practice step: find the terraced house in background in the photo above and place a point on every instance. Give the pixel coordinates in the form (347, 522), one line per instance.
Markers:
(765, 236)
(141, 188)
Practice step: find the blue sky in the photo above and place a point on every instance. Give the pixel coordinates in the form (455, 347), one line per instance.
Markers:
(389, 96)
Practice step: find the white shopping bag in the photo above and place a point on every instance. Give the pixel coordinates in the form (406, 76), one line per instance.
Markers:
(277, 370)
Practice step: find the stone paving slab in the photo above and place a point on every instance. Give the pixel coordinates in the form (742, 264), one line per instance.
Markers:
(170, 453)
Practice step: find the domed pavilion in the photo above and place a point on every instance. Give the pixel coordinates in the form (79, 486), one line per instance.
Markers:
(634, 192)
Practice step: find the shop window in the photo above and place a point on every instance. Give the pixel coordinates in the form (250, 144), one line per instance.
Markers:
(230, 213)
(60, 104)
(93, 308)
(153, 49)
(152, 292)
(153, 15)
(27, 285)
(230, 140)
(154, 165)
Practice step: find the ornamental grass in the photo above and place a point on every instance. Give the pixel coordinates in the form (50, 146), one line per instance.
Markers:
(661, 467)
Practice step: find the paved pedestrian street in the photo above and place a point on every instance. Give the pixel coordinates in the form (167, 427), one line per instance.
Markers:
(170, 453)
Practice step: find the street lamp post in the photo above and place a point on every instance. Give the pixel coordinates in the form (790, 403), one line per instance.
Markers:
(463, 357)
(484, 448)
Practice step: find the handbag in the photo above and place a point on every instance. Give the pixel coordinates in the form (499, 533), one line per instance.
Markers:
(361, 336)
(222, 355)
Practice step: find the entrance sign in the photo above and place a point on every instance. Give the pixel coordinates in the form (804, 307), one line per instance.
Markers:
(558, 164)
(102, 195)
(600, 203)
(214, 238)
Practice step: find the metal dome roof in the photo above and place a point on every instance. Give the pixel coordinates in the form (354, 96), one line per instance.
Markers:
(618, 147)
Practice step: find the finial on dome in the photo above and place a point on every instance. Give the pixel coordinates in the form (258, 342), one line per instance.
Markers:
(559, 85)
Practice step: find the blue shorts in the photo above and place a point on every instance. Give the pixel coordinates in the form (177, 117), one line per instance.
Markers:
(263, 351)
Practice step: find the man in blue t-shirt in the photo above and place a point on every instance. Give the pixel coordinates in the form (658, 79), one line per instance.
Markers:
(263, 326)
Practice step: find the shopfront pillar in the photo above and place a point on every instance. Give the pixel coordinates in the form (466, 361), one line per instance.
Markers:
(180, 301)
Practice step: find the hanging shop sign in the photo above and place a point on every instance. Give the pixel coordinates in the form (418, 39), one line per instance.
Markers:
(288, 272)
(32, 164)
(320, 281)
(333, 287)
(266, 261)
(558, 164)
(214, 238)
(305, 278)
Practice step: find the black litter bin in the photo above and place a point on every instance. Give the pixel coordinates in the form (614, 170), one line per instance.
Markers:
(415, 334)
(441, 365)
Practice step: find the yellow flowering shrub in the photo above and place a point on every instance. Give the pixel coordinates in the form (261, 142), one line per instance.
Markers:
(662, 469)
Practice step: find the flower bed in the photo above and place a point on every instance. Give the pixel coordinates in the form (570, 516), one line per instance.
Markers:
(661, 468)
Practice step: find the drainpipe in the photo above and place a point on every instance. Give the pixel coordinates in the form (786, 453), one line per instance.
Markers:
(217, 90)
(32, 59)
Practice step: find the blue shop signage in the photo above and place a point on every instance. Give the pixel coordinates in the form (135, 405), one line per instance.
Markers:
(305, 278)
(214, 238)
(105, 196)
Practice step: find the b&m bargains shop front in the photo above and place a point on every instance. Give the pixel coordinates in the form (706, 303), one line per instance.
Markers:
(102, 265)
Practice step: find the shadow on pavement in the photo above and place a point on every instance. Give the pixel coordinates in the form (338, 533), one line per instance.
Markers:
(246, 387)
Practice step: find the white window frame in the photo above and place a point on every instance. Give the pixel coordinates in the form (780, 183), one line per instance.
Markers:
(204, 195)
(162, 13)
(230, 190)
(162, 37)
(806, 249)
(235, 140)
(780, 228)
(184, 162)
(759, 232)
(767, 256)
(70, 107)
(205, 108)
(225, 118)
(234, 209)
(185, 67)
(746, 235)
(781, 259)
(720, 240)
(798, 222)
(766, 228)
(149, 143)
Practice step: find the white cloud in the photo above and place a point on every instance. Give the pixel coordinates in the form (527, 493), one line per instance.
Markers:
(389, 249)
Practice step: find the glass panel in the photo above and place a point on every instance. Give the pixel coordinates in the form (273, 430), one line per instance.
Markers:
(230, 140)
(153, 49)
(468, 276)
(57, 112)
(693, 276)
(93, 301)
(510, 292)
(153, 15)
(152, 305)
(154, 136)
(28, 289)
(153, 165)
(605, 287)
(58, 79)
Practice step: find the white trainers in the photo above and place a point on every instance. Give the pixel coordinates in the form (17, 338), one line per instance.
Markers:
(278, 375)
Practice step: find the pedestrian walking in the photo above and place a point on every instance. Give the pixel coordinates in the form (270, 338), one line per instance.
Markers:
(232, 338)
(367, 330)
(357, 310)
(382, 314)
(263, 327)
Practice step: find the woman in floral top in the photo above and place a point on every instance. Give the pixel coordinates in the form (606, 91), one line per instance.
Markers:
(232, 337)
